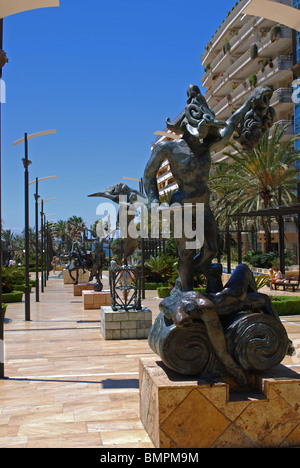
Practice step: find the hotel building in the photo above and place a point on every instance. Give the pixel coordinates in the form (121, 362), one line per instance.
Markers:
(248, 51)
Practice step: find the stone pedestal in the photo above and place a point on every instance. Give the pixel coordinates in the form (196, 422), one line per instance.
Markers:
(125, 324)
(94, 300)
(82, 278)
(78, 288)
(182, 413)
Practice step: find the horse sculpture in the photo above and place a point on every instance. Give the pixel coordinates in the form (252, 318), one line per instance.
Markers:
(87, 261)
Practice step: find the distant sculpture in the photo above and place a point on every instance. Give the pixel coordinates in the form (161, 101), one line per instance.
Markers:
(212, 333)
(134, 198)
(92, 261)
(190, 162)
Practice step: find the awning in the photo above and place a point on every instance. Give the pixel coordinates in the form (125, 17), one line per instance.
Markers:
(276, 211)
(275, 11)
(11, 7)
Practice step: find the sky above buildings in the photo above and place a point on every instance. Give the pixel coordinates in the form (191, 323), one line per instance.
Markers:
(105, 75)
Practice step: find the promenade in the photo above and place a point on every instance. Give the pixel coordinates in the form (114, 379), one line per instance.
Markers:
(66, 386)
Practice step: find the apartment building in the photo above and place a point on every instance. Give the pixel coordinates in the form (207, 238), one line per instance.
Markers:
(245, 52)
(248, 51)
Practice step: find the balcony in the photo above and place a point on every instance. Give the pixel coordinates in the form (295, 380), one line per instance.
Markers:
(282, 96)
(234, 20)
(244, 66)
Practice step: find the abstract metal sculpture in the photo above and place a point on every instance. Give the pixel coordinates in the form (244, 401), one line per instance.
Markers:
(134, 199)
(125, 288)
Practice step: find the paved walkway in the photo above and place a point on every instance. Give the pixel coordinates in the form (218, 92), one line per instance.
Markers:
(68, 387)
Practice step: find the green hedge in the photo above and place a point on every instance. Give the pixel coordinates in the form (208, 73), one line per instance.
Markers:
(166, 291)
(4, 307)
(286, 305)
(15, 296)
(153, 286)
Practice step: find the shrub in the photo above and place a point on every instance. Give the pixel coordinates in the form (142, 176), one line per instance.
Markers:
(160, 269)
(153, 286)
(15, 296)
(164, 292)
(286, 305)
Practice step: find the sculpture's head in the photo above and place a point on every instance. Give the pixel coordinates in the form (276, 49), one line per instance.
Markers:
(258, 120)
(113, 192)
(198, 119)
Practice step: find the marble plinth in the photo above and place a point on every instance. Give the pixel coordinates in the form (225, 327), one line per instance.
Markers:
(182, 413)
(82, 278)
(78, 288)
(94, 300)
(125, 324)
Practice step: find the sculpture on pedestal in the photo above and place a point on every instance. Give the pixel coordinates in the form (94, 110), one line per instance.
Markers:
(132, 200)
(206, 325)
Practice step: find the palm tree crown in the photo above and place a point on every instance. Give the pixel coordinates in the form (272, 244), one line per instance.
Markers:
(253, 179)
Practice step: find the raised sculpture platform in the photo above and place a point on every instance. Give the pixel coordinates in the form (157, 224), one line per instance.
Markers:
(82, 277)
(183, 413)
(95, 300)
(125, 324)
(78, 288)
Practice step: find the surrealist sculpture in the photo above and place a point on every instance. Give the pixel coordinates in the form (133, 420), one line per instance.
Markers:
(232, 330)
(132, 200)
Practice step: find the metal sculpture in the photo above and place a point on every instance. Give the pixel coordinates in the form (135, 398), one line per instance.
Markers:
(80, 259)
(125, 287)
(206, 334)
(134, 199)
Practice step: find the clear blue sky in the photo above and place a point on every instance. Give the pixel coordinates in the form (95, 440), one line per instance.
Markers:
(106, 75)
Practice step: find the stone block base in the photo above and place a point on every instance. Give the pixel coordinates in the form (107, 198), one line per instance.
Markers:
(94, 300)
(82, 278)
(202, 414)
(78, 288)
(125, 325)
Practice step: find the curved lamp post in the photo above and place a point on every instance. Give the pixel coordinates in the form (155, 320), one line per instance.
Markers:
(43, 280)
(26, 164)
(278, 12)
(36, 196)
(8, 8)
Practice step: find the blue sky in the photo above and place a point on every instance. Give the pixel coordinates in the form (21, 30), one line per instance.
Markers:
(106, 75)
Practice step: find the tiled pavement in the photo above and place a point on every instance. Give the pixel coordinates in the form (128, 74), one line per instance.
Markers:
(66, 386)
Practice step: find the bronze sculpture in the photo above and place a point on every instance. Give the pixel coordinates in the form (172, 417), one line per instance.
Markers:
(197, 333)
(133, 199)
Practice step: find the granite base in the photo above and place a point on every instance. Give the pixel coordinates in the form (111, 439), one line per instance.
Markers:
(183, 413)
(125, 324)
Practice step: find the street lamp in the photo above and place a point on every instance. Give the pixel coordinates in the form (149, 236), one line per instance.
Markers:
(42, 240)
(36, 196)
(26, 164)
(8, 8)
(274, 11)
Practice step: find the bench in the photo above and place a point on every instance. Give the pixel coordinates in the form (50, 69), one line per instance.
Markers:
(291, 281)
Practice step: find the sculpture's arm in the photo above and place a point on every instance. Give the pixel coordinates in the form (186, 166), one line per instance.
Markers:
(232, 124)
(159, 154)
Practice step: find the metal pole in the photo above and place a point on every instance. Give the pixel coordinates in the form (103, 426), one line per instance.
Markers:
(45, 256)
(1, 308)
(281, 237)
(298, 223)
(37, 290)
(228, 249)
(42, 247)
(26, 163)
(239, 236)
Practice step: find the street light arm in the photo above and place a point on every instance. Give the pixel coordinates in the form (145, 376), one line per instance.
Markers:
(34, 135)
(9, 7)
(43, 178)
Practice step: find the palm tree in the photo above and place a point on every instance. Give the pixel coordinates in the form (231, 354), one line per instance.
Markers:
(252, 181)
(8, 236)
